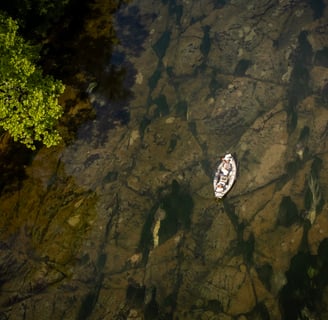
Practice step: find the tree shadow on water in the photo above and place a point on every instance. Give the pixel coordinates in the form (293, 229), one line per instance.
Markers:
(307, 278)
(130, 30)
(110, 100)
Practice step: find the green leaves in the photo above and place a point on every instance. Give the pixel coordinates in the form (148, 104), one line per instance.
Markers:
(29, 106)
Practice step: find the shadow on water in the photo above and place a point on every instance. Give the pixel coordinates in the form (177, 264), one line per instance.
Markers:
(318, 7)
(243, 246)
(110, 100)
(39, 18)
(321, 58)
(111, 74)
(154, 78)
(299, 81)
(288, 213)
(205, 45)
(87, 305)
(151, 311)
(260, 312)
(241, 67)
(265, 273)
(12, 166)
(307, 277)
(107, 73)
(64, 55)
(135, 295)
(174, 9)
(130, 31)
(162, 44)
(178, 206)
(162, 106)
(114, 74)
(218, 4)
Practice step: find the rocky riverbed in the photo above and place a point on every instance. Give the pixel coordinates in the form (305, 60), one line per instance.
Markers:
(121, 222)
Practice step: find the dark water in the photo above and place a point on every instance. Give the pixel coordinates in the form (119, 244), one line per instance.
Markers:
(307, 278)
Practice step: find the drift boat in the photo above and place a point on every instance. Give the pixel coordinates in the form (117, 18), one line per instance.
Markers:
(225, 176)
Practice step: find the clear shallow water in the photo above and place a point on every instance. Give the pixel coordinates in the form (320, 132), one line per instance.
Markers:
(170, 98)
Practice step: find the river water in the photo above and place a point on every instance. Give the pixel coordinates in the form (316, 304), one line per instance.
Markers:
(120, 222)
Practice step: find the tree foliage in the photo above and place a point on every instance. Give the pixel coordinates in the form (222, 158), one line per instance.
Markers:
(29, 106)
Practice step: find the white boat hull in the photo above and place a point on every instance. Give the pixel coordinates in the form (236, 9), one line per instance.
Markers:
(225, 176)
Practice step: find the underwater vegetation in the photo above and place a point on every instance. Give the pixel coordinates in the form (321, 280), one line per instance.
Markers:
(313, 196)
(316, 198)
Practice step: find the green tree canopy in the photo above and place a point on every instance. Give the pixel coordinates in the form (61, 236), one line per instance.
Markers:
(29, 107)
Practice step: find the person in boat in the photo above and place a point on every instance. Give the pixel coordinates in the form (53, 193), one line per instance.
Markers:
(220, 187)
(226, 166)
